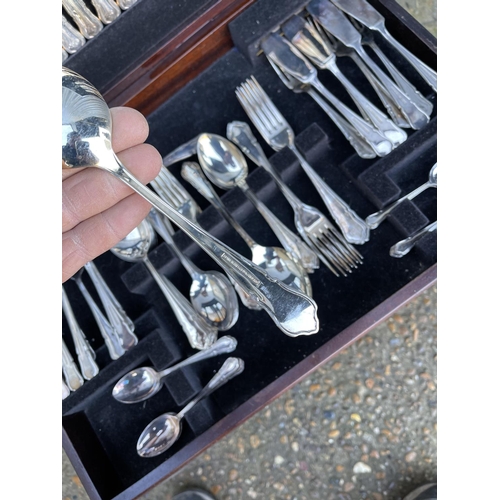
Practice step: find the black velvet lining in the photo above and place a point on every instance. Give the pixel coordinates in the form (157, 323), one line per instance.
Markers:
(103, 431)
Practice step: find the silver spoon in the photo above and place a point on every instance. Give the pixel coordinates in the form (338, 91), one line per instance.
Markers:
(86, 142)
(211, 293)
(163, 431)
(134, 248)
(374, 220)
(225, 165)
(401, 248)
(274, 260)
(144, 382)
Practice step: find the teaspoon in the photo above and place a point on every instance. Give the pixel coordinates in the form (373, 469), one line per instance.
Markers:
(144, 382)
(374, 220)
(274, 260)
(211, 293)
(134, 248)
(86, 142)
(163, 431)
(225, 165)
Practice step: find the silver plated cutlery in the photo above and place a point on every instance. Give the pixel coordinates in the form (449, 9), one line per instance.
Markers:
(401, 248)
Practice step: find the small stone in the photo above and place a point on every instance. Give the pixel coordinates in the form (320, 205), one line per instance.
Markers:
(369, 382)
(387, 371)
(377, 496)
(278, 460)
(216, 489)
(380, 475)
(251, 493)
(254, 441)
(284, 439)
(339, 468)
(431, 386)
(289, 408)
(333, 434)
(279, 486)
(332, 391)
(295, 446)
(207, 457)
(356, 398)
(349, 487)
(314, 387)
(374, 454)
(361, 468)
(233, 474)
(355, 417)
(337, 365)
(410, 457)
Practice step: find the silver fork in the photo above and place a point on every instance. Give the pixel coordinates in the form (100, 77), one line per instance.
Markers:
(173, 192)
(279, 134)
(309, 221)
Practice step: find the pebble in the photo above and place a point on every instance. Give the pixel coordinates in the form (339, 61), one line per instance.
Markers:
(411, 456)
(361, 468)
(233, 474)
(349, 487)
(254, 441)
(278, 459)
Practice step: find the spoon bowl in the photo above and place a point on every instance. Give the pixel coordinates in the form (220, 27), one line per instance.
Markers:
(144, 382)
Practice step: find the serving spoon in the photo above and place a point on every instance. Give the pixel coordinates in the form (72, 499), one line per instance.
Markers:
(274, 260)
(86, 142)
(134, 248)
(144, 382)
(163, 431)
(224, 164)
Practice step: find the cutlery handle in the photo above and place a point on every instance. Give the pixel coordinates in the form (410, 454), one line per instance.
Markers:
(428, 74)
(384, 96)
(358, 142)
(107, 10)
(352, 226)
(230, 368)
(108, 333)
(401, 248)
(292, 243)
(85, 353)
(379, 120)
(71, 374)
(372, 136)
(199, 334)
(192, 173)
(425, 105)
(72, 39)
(126, 4)
(374, 220)
(88, 23)
(122, 324)
(182, 152)
(223, 345)
(291, 310)
(65, 390)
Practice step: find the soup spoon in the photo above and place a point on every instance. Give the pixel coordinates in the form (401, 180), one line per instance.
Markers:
(86, 142)
(274, 260)
(134, 248)
(374, 220)
(224, 164)
(144, 382)
(163, 431)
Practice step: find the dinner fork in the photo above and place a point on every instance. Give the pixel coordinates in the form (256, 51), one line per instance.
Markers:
(277, 132)
(315, 229)
(172, 191)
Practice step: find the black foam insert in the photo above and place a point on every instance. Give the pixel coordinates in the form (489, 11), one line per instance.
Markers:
(207, 104)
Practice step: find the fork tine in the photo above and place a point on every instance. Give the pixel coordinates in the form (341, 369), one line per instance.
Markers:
(266, 104)
(165, 192)
(172, 184)
(329, 256)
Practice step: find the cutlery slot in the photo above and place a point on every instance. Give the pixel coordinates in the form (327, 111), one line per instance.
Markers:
(101, 433)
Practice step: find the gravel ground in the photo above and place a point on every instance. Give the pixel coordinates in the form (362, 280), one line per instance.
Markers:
(363, 426)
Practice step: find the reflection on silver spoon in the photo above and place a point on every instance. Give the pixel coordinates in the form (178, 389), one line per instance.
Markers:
(164, 430)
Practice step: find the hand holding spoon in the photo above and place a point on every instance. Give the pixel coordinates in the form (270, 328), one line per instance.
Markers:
(86, 142)
(142, 383)
(164, 430)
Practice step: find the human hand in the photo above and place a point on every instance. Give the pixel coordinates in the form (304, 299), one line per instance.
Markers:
(99, 210)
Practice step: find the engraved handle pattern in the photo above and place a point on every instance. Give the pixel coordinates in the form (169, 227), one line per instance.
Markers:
(107, 10)
(88, 23)
(72, 39)
(71, 374)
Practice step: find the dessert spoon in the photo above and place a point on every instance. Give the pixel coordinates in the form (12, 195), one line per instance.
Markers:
(163, 431)
(86, 142)
(211, 293)
(144, 382)
(134, 248)
(274, 260)
(224, 164)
